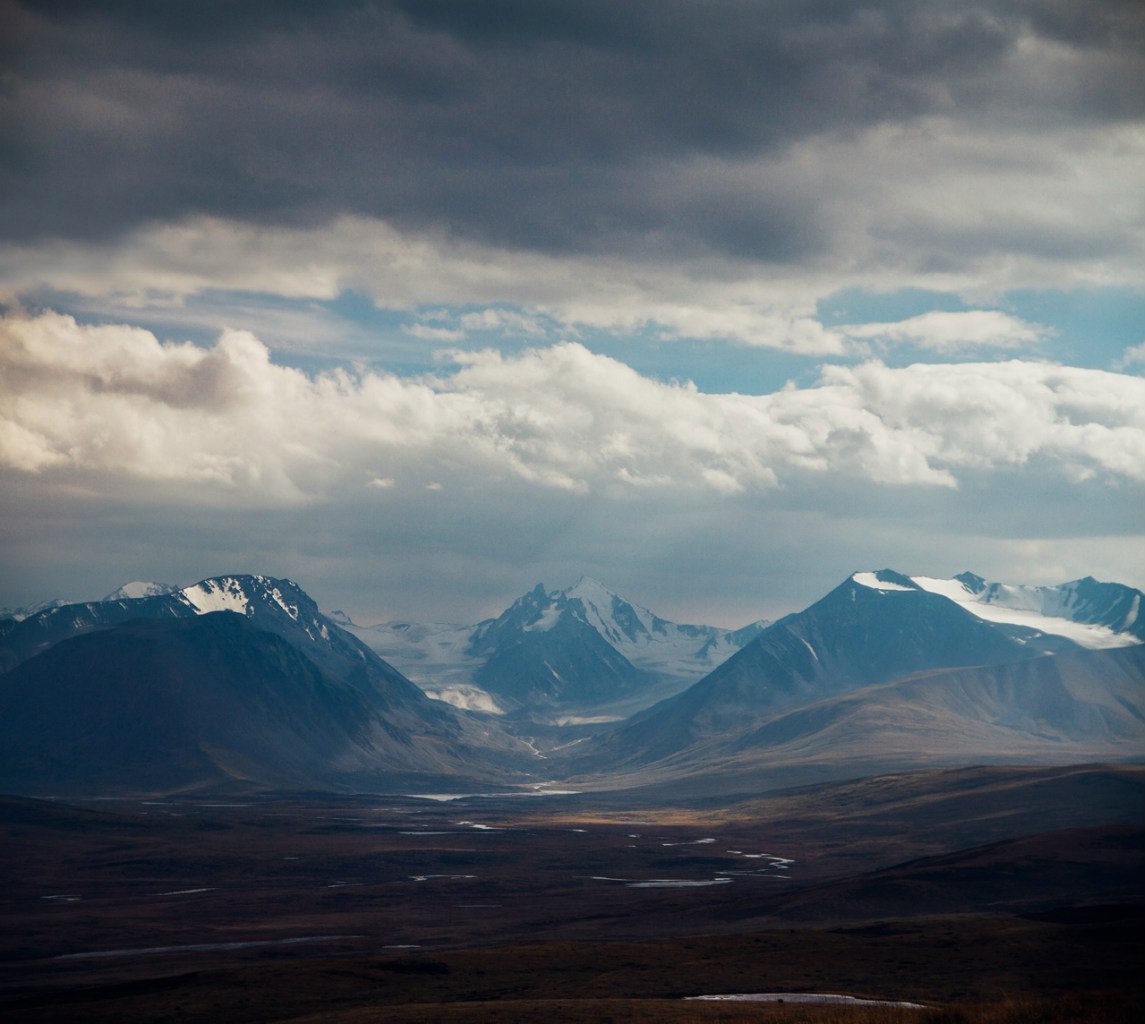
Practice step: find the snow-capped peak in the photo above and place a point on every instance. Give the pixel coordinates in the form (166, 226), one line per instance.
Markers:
(225, 594)
(138, 589)
(591, 590)
(27, 611)
(236, 594)
(617, 620)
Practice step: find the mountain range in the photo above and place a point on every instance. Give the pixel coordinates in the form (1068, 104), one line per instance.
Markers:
(561, 655)
(810, 682)
(243, 681)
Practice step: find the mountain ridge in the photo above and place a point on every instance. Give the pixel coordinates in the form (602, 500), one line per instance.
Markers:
(884, 670)
(873, 628)
(199, 702)
(558, 651)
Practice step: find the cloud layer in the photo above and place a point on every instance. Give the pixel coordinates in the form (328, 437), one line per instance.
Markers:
(711, 170)
(510, 119)
(890, 188)
(115, 401)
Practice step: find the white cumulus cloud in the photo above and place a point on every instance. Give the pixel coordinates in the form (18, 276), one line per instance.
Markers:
(113, 402)
(1132, 356)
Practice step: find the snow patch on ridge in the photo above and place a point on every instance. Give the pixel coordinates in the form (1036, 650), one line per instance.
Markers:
(1032, 607)
(20, 614)
(290, 609)
(682, 652)
(466, 697)
(547, 620)
(872, 581)
(217, 596)
(600, 604)
(137, 589)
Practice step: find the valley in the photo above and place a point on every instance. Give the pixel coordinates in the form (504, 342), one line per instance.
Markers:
(941, 887)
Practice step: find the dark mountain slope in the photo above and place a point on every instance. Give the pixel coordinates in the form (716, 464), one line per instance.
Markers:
(562, 661)
(1091, 700)
(24, 639)
(853, 637)
(209, 700)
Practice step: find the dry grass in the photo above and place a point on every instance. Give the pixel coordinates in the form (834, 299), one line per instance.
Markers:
(545, 940)
(1087, 1009)
(618, 1011)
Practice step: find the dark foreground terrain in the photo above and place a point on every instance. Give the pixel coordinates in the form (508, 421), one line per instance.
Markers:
(984, 894)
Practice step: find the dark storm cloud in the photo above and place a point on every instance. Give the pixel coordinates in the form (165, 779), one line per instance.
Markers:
(558, 126)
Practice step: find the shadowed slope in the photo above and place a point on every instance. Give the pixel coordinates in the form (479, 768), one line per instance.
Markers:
(1078, 706)
(168, 704)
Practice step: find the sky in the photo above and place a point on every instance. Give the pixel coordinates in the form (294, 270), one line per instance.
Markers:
(421, 302)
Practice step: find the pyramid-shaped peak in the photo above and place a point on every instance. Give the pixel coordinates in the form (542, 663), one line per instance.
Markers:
(972, 582)
(534, 598)
(590, 587)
